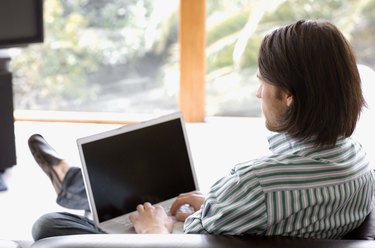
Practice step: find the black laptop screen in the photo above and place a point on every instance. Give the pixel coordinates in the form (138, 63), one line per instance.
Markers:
(149, 164)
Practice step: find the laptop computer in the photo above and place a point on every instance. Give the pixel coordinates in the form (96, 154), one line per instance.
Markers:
(136, 163)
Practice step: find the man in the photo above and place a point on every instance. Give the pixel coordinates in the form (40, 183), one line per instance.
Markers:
(317, 183)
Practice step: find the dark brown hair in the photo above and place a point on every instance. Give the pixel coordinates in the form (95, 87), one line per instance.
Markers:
(314, 62)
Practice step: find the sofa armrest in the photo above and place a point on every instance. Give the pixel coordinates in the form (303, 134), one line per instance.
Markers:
(190, 241)
(15, 244)
(365, 231)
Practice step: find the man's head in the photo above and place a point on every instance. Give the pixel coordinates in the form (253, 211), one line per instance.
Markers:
(311, 69)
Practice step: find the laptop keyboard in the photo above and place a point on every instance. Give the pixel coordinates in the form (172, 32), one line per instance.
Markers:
(183, 209)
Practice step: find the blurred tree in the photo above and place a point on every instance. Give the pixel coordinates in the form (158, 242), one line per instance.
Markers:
(236, 28)
(104, 55)
(51, 75)
(235, 39)
(82, 39)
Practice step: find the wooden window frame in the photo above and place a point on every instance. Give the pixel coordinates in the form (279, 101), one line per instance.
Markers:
(192, 40)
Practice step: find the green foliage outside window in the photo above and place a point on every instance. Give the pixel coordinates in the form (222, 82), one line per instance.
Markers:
(123, 55)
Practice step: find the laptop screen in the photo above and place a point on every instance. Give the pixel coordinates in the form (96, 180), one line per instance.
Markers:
(150, 164)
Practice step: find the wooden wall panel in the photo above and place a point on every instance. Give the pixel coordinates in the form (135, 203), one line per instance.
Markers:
(192, 38)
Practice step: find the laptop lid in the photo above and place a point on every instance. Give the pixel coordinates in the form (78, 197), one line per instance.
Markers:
(136, 163)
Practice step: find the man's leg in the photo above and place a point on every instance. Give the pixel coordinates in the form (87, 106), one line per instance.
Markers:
(58, 224)
(67, 181)
(73, 192)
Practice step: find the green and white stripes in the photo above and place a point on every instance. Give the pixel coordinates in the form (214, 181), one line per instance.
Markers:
(321, 212)
(298, 191)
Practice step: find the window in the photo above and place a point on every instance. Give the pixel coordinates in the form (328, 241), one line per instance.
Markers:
(123, 56)
(234, 32)
(102, 56)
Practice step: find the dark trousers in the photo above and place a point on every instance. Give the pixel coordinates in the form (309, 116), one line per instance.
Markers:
(73, 196)
(73, 193)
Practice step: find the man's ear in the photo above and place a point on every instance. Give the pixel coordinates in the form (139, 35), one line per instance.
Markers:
(289, 99)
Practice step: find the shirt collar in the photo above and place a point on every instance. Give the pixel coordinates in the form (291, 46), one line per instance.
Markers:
(281, 143)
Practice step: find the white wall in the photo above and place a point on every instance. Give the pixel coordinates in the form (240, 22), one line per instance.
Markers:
(364, 132)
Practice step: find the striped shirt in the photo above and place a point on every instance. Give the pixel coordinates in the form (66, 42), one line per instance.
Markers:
(300, 190)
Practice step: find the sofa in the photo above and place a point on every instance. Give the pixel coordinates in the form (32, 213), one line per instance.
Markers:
(191, 241)
(361, 237)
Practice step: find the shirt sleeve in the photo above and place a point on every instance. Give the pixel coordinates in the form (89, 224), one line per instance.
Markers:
(235, 205)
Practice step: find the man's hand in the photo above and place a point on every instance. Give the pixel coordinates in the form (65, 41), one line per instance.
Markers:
(194, 199)
(151, 219)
